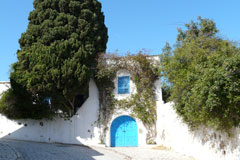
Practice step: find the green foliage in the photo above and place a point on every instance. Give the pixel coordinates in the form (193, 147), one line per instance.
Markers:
(166, 91)
(143, 73)
(58, 53)
(143, 103)
(16, 106)
(204, 71)
(104, 77)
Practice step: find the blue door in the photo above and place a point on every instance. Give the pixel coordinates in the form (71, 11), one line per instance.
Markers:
(124, 132)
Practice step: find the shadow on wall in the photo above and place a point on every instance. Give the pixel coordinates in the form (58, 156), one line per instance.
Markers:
(221, 142)
(80, 129)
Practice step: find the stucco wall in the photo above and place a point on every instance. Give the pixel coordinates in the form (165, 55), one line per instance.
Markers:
(203, 144)
(81, 129)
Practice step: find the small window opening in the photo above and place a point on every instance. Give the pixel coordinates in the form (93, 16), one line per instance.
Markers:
(123, 85)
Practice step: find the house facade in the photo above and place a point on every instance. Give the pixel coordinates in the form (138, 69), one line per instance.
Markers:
(123, 129)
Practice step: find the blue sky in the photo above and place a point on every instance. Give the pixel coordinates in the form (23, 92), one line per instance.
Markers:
(132, 24)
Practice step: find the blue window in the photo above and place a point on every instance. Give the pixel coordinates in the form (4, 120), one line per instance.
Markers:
(123, 85)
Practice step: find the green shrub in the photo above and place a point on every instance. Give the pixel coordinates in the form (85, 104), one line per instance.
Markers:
(204, 71)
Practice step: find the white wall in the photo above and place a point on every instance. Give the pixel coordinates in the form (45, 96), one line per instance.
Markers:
(203, 144)
(81, 129)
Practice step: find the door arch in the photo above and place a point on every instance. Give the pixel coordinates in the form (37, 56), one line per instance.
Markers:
(124, 132)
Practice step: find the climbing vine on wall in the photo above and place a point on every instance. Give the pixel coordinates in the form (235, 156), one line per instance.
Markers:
(144, 72)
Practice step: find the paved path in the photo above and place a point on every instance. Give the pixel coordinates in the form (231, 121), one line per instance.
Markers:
(22, 150)
(7, 152)
(148, 153)
(44, 151)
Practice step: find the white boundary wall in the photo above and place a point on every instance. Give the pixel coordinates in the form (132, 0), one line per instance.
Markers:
(203, 144)
(81, 129)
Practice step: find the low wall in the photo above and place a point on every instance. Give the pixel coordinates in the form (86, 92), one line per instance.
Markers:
(203, 144)
(80, 129)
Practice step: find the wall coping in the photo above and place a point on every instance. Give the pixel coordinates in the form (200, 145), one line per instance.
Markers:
(4, 82)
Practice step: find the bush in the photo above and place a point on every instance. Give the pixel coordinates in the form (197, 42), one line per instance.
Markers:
(204, 71)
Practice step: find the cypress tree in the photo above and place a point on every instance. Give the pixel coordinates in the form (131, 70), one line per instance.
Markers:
(57, 56)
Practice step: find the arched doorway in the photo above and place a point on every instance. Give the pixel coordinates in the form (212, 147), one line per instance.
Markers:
(124, 132)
